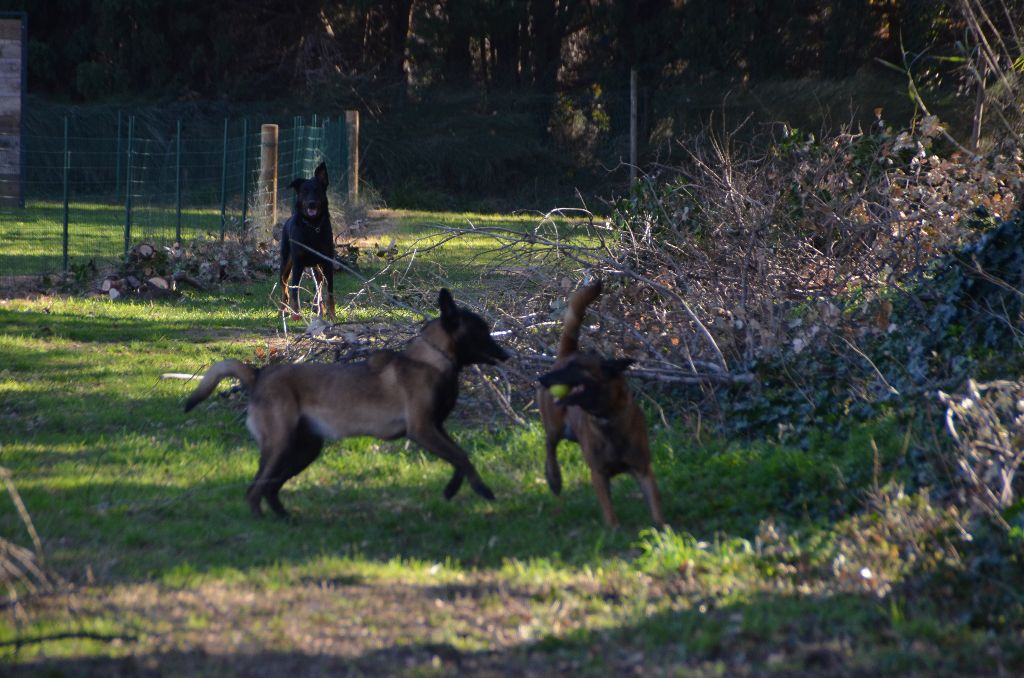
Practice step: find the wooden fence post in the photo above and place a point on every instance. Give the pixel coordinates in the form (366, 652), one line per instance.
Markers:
(268, 172)
(352, 162)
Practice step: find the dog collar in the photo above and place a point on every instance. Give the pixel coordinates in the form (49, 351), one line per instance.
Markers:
(440, 351)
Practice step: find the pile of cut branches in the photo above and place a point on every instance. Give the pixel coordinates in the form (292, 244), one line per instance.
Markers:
(151, 272)
(22, 569)
(741, 260)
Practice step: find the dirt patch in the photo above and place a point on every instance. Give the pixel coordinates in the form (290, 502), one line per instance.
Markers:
(367, 232)
(316, 627)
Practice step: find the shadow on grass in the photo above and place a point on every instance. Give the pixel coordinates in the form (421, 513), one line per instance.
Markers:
(155, 492)
(128, 531)
(120, 328)
(806, 635)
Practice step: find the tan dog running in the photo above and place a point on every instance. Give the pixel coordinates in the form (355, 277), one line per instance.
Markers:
(293, 409)
(598, 412)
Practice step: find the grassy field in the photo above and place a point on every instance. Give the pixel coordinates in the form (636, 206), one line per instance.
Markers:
(31, 239)
(779, 560)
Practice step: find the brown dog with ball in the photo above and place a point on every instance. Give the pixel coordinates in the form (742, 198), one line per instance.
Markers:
(585, 398)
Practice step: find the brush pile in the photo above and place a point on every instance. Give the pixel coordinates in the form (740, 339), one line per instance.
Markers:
(766, 279)
(153, 272)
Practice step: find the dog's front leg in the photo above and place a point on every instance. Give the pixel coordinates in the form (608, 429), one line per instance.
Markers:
(327, 276)
(437, 441)
(286, 268)
(293, 289)
(552, 471)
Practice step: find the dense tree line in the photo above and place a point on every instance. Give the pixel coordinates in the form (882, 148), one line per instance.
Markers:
(88, 49)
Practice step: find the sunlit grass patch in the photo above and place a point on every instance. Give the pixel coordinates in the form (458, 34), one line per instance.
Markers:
(787, 552)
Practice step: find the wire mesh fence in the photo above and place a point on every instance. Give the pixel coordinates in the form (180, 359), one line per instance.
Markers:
(94, 185)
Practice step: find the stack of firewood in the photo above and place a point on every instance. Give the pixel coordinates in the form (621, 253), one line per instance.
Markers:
(148, 273)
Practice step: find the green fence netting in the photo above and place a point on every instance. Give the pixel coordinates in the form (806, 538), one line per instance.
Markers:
(96, 183)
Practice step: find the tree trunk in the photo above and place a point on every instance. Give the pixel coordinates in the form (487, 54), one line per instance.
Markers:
(399, 18)
(458, 61)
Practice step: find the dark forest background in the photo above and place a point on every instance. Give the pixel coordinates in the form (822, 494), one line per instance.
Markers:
(510, 102)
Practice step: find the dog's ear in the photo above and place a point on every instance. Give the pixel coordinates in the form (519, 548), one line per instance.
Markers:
(296, 184)
(321, 173)
(449, 311)
(617, 366)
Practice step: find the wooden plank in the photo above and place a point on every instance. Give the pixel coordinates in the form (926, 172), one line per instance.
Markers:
(11, 90)
(10, 29)
(10, 156)
(10, 123)
(10, 83)
(11, 52)
(8, 65)
(10, 106)
(10, 190)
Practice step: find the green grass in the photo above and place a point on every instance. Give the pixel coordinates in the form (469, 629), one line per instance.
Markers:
(31, 239)
(141, 508)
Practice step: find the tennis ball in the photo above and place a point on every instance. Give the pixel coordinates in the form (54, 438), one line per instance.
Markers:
(559, 390)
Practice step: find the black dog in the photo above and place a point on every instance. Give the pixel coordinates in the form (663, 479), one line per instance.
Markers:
(309, 227)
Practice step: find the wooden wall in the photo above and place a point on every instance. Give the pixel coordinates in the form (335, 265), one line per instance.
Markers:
(11, 87)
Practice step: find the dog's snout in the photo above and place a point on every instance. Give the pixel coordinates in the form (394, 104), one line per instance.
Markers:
(550, 378)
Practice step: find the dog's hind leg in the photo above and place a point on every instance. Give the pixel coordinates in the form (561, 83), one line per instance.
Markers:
(304, 449)
(602, 487)
(286, 269)
(272, 447)
(649, 488)
(252, 495)
(436, 440)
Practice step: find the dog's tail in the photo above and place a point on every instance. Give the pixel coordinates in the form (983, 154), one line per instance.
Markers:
(578, 303)
(222, 370)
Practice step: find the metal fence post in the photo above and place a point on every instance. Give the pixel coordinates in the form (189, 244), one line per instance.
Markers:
(295, 146)
(224, 180)
(314, 137)
(177, 187)
(128, 187)
(67, 169)
(325, 140)
(117, 159)
(245, 170)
